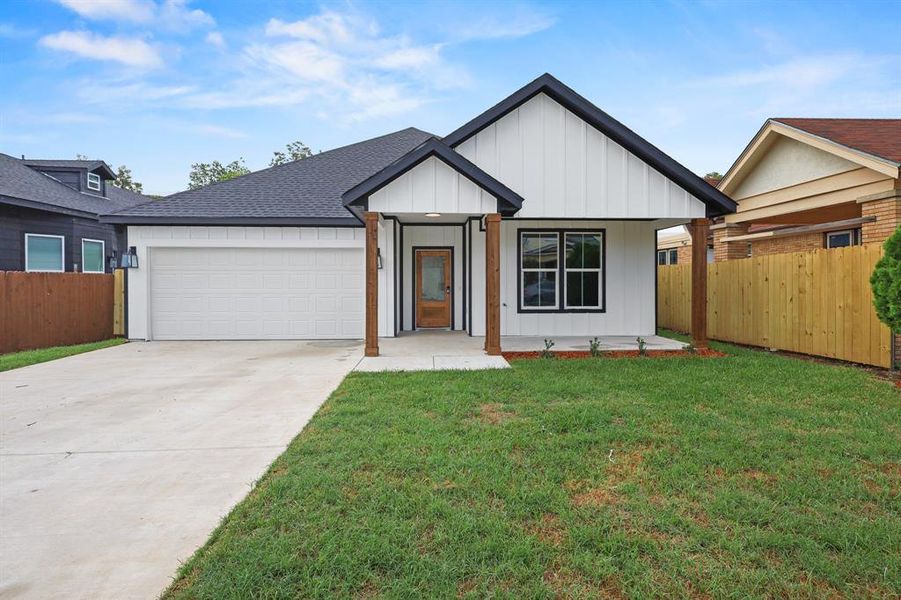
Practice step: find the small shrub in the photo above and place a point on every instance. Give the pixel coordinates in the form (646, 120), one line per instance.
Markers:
(594, 346)
(546, 351)
(642, 346)
(886, 283)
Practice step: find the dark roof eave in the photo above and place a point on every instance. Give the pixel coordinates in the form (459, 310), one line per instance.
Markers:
(509, 201)
(21, 202)
(716, 202)
(220, 221)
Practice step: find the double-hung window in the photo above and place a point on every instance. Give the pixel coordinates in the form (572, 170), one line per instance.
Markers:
(93, 256)
(583, 270)
(94, 181)
(561, 271)
(540, 267)
(44, 253)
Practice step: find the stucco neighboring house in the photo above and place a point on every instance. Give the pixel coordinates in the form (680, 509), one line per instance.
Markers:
(49, 215)
(537, 217)
(804, 184)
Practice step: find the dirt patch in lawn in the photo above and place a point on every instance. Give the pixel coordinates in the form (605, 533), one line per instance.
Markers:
(492, 414)
(549, 529)
(596, 497)
(569, 354)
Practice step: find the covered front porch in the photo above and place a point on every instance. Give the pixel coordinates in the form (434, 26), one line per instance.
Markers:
(474, 323)
(426, 350)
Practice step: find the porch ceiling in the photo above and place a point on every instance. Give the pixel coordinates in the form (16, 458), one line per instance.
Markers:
(420, 218)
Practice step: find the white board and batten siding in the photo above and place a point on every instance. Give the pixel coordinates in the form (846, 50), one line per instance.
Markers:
(565, 168)
(630, 278)
(202, 282)
(432, 186)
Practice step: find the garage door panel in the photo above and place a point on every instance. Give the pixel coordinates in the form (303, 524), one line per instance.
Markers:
(256, 293)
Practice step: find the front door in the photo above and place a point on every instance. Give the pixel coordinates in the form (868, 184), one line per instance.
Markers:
(433, 288)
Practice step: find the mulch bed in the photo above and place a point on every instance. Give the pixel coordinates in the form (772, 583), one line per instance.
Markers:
(706, 353)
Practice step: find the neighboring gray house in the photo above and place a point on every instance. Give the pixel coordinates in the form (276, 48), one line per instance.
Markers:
(536, 218)
(49, 215)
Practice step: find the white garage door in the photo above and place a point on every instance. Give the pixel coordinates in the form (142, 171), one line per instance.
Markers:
(256, 293)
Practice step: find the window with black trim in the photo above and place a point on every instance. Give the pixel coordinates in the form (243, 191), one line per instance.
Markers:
(561, 271)
(539, 269)
(582, 270)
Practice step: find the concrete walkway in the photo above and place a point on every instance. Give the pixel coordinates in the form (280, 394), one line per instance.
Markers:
(116, 465)
(435, 350)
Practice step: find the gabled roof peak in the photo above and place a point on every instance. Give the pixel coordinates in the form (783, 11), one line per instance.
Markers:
(717, 203)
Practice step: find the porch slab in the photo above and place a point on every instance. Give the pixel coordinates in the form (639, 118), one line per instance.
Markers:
(431, 351)
(455, 350)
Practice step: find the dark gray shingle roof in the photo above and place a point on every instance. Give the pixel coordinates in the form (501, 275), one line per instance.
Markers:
(24, 186)
(303, 191)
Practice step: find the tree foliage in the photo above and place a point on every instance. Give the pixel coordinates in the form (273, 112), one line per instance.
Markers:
(206, 173)
(125, 180)
(293, 151)
(886, 283)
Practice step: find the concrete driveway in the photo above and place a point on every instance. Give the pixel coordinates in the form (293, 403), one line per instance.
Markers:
(116, 465)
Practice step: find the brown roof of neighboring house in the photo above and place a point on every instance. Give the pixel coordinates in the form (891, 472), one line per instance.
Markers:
(879, 137)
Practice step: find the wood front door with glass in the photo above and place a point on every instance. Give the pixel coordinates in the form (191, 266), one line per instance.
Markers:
(433, 288)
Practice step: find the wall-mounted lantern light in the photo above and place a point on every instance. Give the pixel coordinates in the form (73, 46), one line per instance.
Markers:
(378, 258)
(113, 261)
(130, 258)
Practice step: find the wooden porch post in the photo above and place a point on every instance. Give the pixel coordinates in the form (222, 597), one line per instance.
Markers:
(493, 284)
(699, 228)
(372, 283)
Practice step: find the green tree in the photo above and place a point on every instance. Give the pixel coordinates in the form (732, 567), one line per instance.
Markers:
(293, 151)
(206, 173)
(125, 180)
(886, 283)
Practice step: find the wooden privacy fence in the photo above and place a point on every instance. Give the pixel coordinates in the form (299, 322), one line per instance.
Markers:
(816, 303)
(38, 310)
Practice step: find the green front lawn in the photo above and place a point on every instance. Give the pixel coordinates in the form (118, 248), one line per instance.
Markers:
(750, 475)
(14, 360)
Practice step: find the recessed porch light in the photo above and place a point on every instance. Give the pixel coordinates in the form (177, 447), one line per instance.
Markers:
(433, 215)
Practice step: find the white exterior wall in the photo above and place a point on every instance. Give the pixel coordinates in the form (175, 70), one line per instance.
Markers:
(629, 278)
(564, 167)
(147, 237)
(444, 236)
(432, 186)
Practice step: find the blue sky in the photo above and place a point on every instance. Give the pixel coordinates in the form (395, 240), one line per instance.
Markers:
(159, 84)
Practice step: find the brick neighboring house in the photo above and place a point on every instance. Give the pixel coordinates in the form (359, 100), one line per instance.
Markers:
(806, 184)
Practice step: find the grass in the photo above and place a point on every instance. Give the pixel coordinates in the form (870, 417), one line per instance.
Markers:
(752, 475)
(15, 360)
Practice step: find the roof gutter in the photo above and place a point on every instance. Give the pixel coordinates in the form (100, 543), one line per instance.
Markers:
(220, 221)
(22, 203)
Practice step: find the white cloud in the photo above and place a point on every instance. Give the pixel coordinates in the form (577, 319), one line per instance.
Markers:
(173, 15)
(798, 73)
(409, 58)
(135, 11)
(128, 51)
(341, 60)
(305, 60)
(215, 38)
(513, 24)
